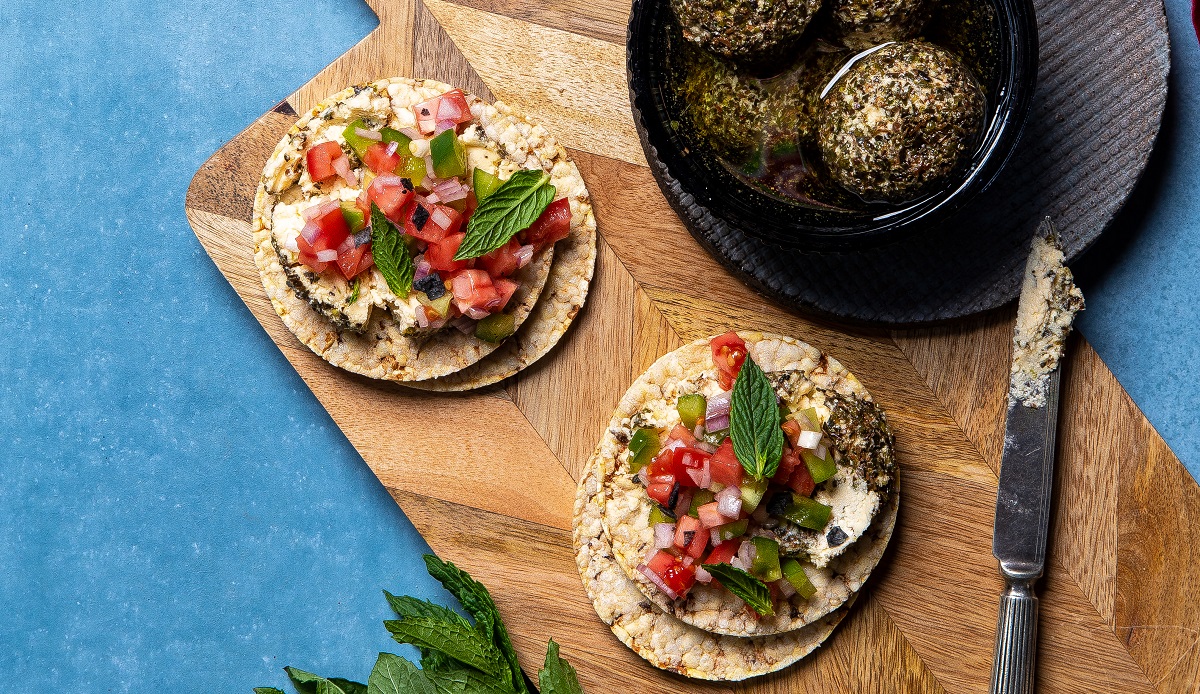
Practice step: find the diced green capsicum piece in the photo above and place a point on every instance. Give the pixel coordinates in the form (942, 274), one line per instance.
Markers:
(496, 327)
(795, 575)
(358, 144)
(716, 437)
(821, 469)
(355, 219)
(808, 513)
(766, 560)
(732, 530)
(401, 140)
(700, 498)
(691, 409)
(643, 446)
(413, 169)
(752, 494)
(449, 157)
(484, 183)
(441, 306)
(811, 414)
(784, 411)
(657, 515)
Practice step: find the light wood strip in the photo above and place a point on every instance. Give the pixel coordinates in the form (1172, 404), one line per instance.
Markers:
(600, 19)
(1158, 551)
(385, 52)
(570, 396)
(877, 658)
(653, 335)
(530, 571)
(436, 57)
(573, 85)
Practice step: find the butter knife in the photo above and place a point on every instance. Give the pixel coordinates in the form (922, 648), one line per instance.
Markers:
(1049, 301)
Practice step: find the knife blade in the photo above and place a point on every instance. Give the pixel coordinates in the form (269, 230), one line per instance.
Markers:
(1049, 301)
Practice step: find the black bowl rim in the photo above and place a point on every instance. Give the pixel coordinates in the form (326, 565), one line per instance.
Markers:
(706, 211)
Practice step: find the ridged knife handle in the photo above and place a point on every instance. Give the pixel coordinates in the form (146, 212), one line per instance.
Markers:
(1016, 640)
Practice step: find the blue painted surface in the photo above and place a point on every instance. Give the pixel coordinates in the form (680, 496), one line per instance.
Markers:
(179, 513)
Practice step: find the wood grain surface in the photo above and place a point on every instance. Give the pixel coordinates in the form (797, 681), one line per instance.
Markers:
(1120, 607)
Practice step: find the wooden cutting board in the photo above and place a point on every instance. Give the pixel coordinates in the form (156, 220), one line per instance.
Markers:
(488, 477)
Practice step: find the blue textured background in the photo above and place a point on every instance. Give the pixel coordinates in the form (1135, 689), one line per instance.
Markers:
(178, 512)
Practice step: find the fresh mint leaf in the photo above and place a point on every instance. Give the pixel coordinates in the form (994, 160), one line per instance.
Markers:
(408, 606)
(354, 291)
(557, 676)
(392, 257)
(748, 588)
(515, 205)
(395, 675)
(308, 683)
(305, 682)
(754, 422)
(462, 643)
(338, 685)
(459, 679)
(267, 690)
(476, 600)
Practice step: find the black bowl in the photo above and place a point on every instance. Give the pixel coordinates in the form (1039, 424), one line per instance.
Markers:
(710, 199)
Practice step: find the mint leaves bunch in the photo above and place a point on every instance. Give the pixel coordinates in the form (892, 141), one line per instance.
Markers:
(457, 656)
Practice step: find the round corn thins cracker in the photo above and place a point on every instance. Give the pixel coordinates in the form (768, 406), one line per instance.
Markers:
(384, 344)
(809, 379)
(665, 641)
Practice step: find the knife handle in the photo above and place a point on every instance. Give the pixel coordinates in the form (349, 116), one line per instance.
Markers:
(1016, 639)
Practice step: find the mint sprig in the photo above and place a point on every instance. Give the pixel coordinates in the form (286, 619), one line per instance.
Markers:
(753, 591)
(391, 254)
(458, 655)
(754, 422)
(513, 207)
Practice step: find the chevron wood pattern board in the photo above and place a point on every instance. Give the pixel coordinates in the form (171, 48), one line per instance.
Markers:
(1120, 610)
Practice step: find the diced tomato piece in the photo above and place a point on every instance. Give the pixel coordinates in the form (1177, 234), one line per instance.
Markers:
(729, 353)
(660, 489)
(672, 572)
(350, 262)
(446, 218)
(724, 552)
(787, 464)
(440, 255)
(725, 467)
(472, 289)
(681, 433)
(710, 517)
(801, 480)
(552, 225)
(685, 530)
(503, 261)
(451, 103)
(791, 429)
(505, 289)
(363, 201)
(311, 261)
(377, 159)
(320, 158)
(419, 224)
(699, 543)
(390, 193)
(685, 457)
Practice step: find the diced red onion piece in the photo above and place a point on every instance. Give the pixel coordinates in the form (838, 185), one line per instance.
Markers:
(820, 452)
(704, 446)
(321, 210)
(440, 218)
(392, 147)
(739, 563)
(476, 313)
(422, 269)
(524, 255)
(747, 552)
(672, 445)
(411, 133)
(717, 423)
(427, 126)
(688, 561)
(443, 126)
(718, 405)
(326, 256)
(703, 576)
(342, 166)
(448, 110)
(347, 245)
(429, 168)
(422, 319)
(805, 423)
(809, 439)
(432, 199)
(369, 134)
(698, 431)
(464, 325)
(697, 475)
(664, 535)
(785, 587)
(643, 476)
(729, 502)
(684, 503)
(714, 536)
(657, 581)
(310, 231)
